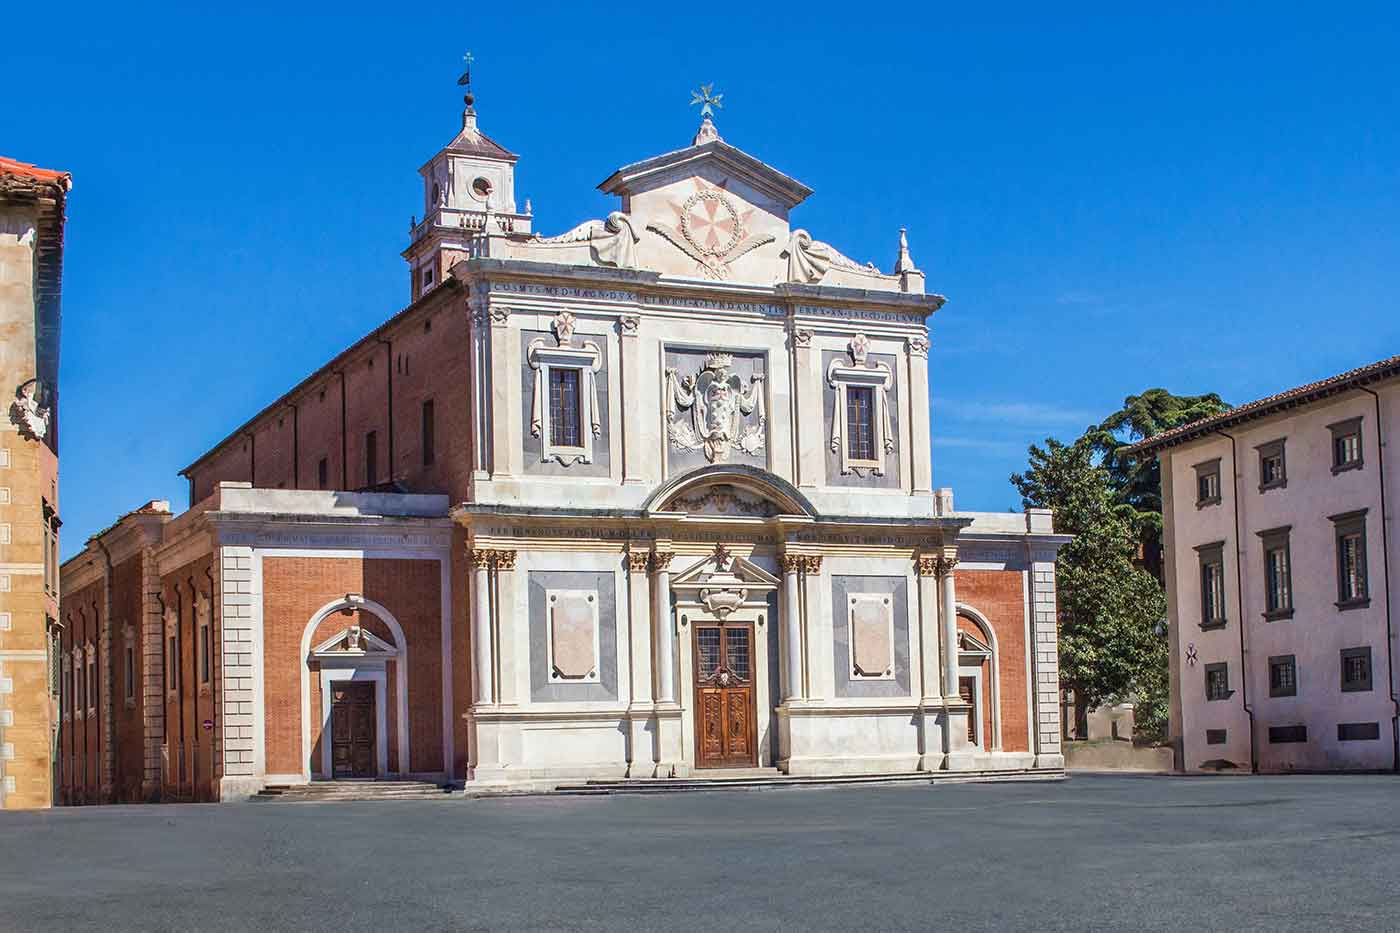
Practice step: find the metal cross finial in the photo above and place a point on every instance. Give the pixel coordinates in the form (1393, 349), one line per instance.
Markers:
(708, 100)
(466, 77)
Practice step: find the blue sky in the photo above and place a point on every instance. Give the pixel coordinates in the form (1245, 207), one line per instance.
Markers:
(1111, 200)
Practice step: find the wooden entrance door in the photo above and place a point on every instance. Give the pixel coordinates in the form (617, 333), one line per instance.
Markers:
(967, 691)
(724, 696)
(353, 746)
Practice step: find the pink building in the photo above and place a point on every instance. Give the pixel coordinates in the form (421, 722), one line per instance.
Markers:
(1278, 569)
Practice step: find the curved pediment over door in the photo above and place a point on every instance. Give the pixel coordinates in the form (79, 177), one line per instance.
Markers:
(730, 490)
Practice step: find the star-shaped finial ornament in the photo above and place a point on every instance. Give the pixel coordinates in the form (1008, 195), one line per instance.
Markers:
(708, 100)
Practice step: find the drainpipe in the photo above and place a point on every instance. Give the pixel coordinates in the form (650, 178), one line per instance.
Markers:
(1385, 569)
(1239, 598)
(253, 459)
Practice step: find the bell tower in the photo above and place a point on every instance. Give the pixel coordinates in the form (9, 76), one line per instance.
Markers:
(468, 198)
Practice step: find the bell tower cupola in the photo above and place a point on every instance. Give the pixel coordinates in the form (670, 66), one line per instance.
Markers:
(468, 199)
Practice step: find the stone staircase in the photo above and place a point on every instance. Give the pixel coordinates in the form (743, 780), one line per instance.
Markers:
(329, 791)
(766, 779)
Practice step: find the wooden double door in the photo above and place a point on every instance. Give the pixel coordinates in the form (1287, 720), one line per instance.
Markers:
(353, 740)
(725, 734)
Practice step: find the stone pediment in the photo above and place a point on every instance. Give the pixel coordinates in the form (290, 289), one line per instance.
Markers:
(723, 582)
(354, 641)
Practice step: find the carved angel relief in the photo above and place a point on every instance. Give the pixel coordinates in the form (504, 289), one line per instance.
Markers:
(710, 229)
(869, 416)
(564, 410)
(718, 403)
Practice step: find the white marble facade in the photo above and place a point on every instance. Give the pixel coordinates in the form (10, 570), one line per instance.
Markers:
(701, 524)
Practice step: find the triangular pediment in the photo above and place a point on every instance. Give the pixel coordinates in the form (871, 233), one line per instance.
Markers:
(971, 645)
(715, 161)
(353, 641)
(722, 568)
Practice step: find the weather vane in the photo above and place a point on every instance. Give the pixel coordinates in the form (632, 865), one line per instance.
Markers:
(708, 100)
(466, 78)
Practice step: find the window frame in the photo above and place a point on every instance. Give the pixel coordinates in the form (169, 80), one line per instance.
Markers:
(1276, 448)
(857, 370)
(1341, 430)
(1344, 526)
(1277, 539)
(1294, 734)
(587, 359)
(1287, 662)
(1222, 668)
(565, 416)
(1208, 555)
(1207, 470)
(1361, 686)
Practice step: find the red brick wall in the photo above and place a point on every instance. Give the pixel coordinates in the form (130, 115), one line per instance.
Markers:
(428, 355)
(127, 601)
(461, 649)
(999, 595)
(294, 588)
(79, 738)
(188, 700)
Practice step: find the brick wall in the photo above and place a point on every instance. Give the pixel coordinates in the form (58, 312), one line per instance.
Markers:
(128, 601)
(294, 588)
(190, 698)
(80, 730)
(1000, 596)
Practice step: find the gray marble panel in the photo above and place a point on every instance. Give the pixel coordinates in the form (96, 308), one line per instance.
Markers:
(605, 582)
(896, 587)
(689, 362)
(833, 458)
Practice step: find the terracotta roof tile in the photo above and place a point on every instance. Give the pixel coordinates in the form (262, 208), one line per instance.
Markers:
(1301, 395)
(13, 167)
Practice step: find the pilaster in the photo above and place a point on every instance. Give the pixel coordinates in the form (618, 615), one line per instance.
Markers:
(507, 456)
(921, 466)
(931, 733)
(633, 422)
(244, 728)
(641, 747)
(1045, 665)
(152, 681)
(808, 426)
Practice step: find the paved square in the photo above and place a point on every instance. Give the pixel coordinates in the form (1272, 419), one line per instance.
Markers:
(1091, 853)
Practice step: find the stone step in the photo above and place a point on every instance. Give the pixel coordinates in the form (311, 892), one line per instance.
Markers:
(326, 791)
(778, 780)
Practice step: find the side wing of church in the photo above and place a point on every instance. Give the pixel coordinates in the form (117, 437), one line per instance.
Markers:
(648, 498)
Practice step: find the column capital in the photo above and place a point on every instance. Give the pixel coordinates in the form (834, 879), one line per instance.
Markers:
(660, 561)
(503, 560)
(945, 563)
(811, 563)
(480, 559)
(791, 563)
(629, 324)
(637, 561)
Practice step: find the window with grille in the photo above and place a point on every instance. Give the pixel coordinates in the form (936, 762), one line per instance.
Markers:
(1278, 579)
(1273, 470)
(1208, 483)
(1352, 587)
(860, 422)
(1218, 682)
(1283, 676)
(1212, 585)
(1356, 669)
(92, 683)
(1346, 445)
(130, 692)
(564, 427)
(206, 660)
(172, 667)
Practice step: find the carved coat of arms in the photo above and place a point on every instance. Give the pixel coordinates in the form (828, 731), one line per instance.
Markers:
(710, 229)
(709, 410)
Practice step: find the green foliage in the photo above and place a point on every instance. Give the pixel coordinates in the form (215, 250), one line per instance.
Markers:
(1110, 609)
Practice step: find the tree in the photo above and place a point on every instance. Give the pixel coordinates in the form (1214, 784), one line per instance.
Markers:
(1138, 482)
(1111, 611)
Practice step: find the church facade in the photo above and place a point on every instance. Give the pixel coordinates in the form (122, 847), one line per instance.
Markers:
(649, 498)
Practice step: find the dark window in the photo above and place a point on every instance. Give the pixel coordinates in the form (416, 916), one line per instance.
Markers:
(1356, 669)
(429, 440)
(205, 654)
(564, 427)
(1218, 682)
(92, 683)
(1273, 471)
(1278, 576)
(1358, 731)
(1215, 736)
(1282, 735)
(172, 667)
(322, 473)
(130, 672)
(1212, 558)
(371, 458)
(1208, 483)
(1346, 445)
(860, 423)
(1352, 590)
(1283, 676)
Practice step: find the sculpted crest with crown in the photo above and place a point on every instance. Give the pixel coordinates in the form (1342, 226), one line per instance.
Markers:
(718, 404)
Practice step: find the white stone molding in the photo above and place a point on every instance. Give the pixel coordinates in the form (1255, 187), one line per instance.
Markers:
(342, 663)
(717, 402)
(571, 636)
(807, 260)
(864, 374)
(969, 648)
(586, 360)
